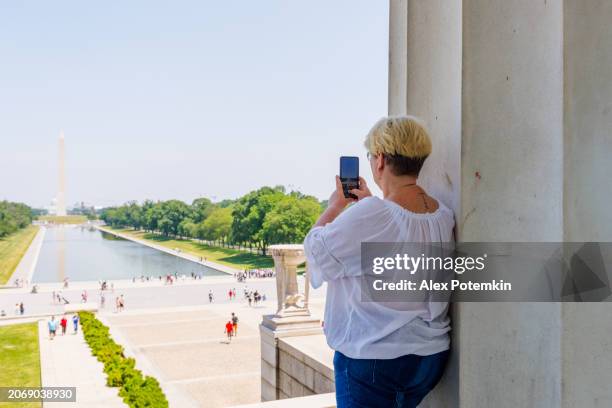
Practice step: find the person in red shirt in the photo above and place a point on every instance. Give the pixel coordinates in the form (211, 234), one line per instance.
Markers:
(229, 328)
(63, 323)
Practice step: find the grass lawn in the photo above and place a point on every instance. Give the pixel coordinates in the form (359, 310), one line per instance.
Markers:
(19, 359)
(65, 219)
(226, 256)
(12, 249)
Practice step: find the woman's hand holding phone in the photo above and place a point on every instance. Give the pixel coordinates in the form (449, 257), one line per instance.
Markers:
(338, 201)
(363, 191)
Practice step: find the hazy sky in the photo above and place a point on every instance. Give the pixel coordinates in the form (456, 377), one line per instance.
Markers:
(181, 99)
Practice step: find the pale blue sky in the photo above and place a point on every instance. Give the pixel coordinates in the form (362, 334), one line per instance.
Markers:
(180, 99)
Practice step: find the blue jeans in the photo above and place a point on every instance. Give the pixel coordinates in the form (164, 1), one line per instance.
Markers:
(399, 382)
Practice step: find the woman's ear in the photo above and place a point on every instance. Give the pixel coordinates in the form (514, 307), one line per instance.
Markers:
(380, 163)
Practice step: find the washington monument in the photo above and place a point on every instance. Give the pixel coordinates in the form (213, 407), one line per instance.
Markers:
(61, 198)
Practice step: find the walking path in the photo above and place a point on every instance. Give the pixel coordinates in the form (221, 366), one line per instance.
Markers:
(188, 257)
(26, 266)
(67, 361)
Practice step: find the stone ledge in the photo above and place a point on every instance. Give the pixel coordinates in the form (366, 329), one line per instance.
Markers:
(311, 350)
(297, 369)
(312, 401)
(287, 326)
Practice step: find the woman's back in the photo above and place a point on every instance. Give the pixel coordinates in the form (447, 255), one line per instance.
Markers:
(362, 329)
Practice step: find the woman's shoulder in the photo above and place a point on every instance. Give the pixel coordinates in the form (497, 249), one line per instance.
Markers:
(443, 209)
(367, 210)
(369, 205)
(441, 212)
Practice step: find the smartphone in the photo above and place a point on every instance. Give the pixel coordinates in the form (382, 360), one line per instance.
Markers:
(349, 174)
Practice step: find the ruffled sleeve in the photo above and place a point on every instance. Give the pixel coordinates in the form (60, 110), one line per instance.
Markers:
(334, 251)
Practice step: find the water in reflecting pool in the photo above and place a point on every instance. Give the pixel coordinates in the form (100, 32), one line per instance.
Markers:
(86, 254)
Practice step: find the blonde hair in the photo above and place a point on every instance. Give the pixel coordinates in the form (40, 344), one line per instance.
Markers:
(399, 135)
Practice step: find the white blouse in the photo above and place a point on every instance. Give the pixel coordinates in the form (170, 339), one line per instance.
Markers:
(370, 329)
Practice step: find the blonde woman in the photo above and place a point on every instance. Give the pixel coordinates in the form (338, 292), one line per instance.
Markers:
(384, 357)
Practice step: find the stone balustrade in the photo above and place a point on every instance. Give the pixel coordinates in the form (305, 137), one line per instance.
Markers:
(285, 371)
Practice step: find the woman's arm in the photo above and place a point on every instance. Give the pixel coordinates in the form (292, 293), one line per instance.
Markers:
(323, 263)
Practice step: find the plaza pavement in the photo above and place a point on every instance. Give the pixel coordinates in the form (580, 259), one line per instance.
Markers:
(66, 361)
(139, 295)
(186, 349)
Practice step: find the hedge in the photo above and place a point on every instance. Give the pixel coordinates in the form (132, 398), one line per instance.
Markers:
(137, 391)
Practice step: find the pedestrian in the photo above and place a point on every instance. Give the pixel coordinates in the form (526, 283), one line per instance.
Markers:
(16, 309)
(250, 299)
(210, 296)
(228, 329)
(52, 325)
(64, 323)
(75, 322)
(117, 304)
(230, 294)
(21, 308)
(53, 297)
(235, 323)
(102, 300)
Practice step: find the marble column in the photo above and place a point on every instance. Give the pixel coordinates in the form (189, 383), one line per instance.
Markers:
(516, 95)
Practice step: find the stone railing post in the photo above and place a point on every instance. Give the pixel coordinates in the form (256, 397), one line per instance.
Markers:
(292, 317)
(290, 301)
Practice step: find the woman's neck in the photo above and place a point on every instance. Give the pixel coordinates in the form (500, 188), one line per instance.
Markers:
(405, 192)
(397, 187)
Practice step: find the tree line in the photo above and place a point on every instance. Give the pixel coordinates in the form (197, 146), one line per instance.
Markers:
(258, 219)
(13, 217)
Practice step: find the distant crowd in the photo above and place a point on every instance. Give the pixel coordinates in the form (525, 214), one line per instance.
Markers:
(253, 297)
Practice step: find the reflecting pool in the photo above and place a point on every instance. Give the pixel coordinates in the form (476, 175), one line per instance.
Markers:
(87, 254)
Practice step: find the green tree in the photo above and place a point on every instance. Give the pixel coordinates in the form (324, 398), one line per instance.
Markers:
(13, 216)
(152, 214)
(290, 220)
(187, 228)
(174, 211)
(249, 213)
(260, 218)
(218, 225)
(134, 215)
(201, 209)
